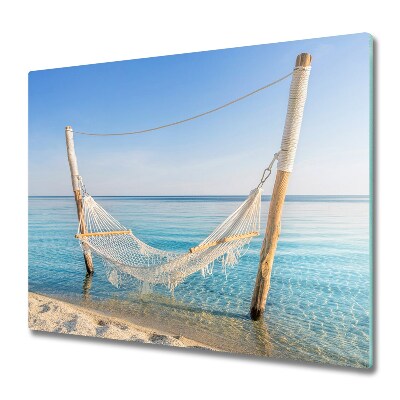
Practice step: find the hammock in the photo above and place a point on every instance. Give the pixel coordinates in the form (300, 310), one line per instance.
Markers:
(125, 256)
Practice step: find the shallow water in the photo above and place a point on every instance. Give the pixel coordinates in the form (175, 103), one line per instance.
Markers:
(318, 304)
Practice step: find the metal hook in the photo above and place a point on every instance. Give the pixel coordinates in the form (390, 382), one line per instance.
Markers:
(267, 171)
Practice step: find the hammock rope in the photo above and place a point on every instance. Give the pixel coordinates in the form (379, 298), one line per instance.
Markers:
(193, 117)
(126, 257)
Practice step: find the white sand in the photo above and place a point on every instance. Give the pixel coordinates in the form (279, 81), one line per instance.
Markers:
(51, 315)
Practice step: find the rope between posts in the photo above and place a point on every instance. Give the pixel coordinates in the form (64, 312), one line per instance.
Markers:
(193, 117)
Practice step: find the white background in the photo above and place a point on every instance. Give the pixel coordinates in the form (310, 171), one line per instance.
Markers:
(47, 34)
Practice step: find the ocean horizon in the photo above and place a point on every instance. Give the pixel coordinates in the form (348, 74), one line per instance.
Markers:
(289, 197)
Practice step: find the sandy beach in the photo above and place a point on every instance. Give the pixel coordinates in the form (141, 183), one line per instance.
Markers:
(52, 315)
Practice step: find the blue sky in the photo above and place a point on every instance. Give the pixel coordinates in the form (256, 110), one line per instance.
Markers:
(222, 153)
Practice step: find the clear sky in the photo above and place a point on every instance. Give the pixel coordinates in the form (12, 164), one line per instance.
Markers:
(222, 153)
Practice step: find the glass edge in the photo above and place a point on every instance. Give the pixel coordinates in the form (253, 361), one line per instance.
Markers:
(372, 200)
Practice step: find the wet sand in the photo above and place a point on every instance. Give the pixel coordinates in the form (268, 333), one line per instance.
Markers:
(52, 315)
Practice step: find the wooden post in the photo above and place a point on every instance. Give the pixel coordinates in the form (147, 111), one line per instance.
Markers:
(294, 116)
(87, 285)
(73, 166)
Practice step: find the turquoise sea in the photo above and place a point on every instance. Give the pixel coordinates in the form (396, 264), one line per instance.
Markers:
(318, 307)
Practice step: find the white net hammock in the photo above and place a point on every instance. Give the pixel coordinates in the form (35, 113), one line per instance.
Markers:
(126, 257)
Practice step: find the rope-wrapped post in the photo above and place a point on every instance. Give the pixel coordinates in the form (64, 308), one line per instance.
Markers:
(294, 116)
(73, 166)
